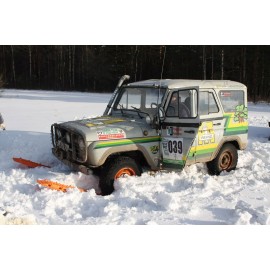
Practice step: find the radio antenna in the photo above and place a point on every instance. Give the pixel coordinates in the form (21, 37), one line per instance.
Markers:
(162, 68)
(161, 74)
(159, 86)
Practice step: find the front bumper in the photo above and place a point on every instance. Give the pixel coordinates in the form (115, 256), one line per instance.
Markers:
(73, 165)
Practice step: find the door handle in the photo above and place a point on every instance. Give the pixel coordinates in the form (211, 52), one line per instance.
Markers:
(217, 124)
(189, 131)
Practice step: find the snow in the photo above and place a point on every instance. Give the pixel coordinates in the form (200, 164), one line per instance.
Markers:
(190, 197)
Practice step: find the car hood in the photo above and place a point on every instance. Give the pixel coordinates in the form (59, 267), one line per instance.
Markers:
(110, 128)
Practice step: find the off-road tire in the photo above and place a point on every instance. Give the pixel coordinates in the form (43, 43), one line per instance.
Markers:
(226, 160)
(115, 168)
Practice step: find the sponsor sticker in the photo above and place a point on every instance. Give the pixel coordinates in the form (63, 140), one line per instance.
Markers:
(111, 134)
(174, 131)
(101, 121)
(206, 134)
(154, 149)
(225, 94)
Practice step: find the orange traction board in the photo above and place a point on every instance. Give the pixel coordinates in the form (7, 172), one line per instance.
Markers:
(29, 163)
(56, 186)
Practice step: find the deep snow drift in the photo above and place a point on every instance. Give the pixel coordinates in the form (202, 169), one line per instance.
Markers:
(188, 197)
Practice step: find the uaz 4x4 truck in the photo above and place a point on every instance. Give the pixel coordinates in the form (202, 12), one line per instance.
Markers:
(158, 124)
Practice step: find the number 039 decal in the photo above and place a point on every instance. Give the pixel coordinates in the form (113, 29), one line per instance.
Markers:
(172, 148)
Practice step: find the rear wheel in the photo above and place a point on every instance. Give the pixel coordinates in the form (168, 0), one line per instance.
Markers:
(114, 169)
(226, 160)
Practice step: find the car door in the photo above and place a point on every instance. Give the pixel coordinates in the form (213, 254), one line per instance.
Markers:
(212, 126)
(179, 127)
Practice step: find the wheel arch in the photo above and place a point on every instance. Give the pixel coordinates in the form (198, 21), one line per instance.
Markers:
(234, 141)
(226, 159)
(135, 151)
(137, 155)
(115, 168)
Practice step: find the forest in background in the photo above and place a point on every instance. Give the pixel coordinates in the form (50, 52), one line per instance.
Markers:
(97, 68)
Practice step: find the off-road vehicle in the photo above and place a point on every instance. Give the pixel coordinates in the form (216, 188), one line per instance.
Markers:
(158, 124)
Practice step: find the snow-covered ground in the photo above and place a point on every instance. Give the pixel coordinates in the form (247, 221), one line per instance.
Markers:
(188, 197)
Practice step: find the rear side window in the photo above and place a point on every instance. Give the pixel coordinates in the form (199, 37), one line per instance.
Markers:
(231, 99)
(207, 103)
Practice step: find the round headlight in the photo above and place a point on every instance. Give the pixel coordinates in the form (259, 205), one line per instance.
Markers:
(68, 138)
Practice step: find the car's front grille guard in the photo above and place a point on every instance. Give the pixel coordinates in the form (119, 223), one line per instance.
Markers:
(75, 148)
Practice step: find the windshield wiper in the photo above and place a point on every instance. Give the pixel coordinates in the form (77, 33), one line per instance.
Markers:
(121, 107)
(138, 111)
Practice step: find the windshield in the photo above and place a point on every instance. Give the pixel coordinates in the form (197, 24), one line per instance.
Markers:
(138, 99)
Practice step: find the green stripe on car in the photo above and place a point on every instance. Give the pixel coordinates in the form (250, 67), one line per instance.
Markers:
(126, 142)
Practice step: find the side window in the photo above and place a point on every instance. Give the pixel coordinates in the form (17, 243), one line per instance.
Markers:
(207, 103)
(231, 99)
(213, 107)
(172, 109)
(180, 104)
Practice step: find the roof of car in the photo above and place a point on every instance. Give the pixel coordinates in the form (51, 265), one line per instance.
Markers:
(179, 83)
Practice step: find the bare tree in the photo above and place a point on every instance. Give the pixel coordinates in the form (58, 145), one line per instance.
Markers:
(1, 81)
(244, 60)
(73, 65)
(212, 64)
(204, 63)
(96, 67)
(136, 62)
(13, 65)
(222, 64)
(256, 89)
(70, 66)
(30, 62)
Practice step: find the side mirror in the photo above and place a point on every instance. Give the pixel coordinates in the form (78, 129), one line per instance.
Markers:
(161, 114)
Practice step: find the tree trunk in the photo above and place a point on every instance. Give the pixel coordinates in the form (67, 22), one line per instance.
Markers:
(73, 66)
(61, 64)
(163, 62)
(4, 64)
(212, 71)
(204, 63)
(222, 64)
(69, 67)
(136, 63)
(13, 66)
(256, 90)
(244, 60)
(30, 63)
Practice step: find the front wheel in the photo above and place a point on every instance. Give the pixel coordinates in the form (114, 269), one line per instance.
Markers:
(114, 169)
(226, 160)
